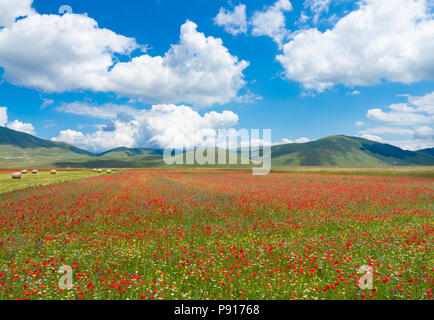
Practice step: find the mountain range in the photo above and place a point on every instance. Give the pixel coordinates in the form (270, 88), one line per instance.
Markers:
(18, 149)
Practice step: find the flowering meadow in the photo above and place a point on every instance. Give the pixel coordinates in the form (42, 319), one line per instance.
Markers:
(197, 234)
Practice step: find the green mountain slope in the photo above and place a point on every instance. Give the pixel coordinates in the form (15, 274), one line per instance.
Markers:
(429, 151)
(123, 152)
(18, 149)
(346, 152)
(26, 141)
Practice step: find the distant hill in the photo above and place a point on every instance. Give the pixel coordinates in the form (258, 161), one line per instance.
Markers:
(346, 152)
(429, 151)
(26, 141)
(130, 152)
(19, 149)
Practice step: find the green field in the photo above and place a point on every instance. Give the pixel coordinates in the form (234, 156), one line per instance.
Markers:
(43, 178)
(417, 172)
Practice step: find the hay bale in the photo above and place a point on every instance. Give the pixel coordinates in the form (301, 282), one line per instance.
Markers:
(34, 171)
(16, 175)
(24, 171)
(109, 172)
(53, 172)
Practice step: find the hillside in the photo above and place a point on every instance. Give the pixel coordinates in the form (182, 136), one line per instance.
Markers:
(19, 149)
(429, 151)
(123, 152)
(26, 141)
(346, 152)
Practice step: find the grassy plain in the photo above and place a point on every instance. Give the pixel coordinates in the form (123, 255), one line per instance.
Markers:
(42, 178)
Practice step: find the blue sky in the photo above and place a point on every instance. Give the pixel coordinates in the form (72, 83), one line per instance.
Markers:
(305, 69)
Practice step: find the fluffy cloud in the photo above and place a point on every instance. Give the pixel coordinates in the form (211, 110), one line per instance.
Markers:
(271, 22)
(199, 70)
(123, 135)
(412, 119)
(425, 133)
(232, 22)
(372, 137)
(60, 53)
(317, 7)
(16, 124)
(399, 116)
(424, 103)
(56, 53)
(379, 40)
(416, 111)
(12, 9)
(161, 126)
(3, 116)
(286, 141)
(302, 140)
(20, 126)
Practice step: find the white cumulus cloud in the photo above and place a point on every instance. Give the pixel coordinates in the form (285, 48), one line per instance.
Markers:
(424, 103)
(60, 53)
(412, 119)
(165, 125)
(424, 133)
(232, 22)
(287, 141)
(16, 124)
(271, 22)
(317, 7)
(20, 126)
(199, 70)
(12, 9)
(382, 39)
(372, 137)
(302, 140)
(417, 110)
(54, 53)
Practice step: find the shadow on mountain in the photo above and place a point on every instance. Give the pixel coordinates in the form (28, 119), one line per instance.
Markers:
(387, 150)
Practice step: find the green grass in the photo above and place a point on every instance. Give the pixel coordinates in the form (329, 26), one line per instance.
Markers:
(13, 157)
(417, 172)
(43, 178)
